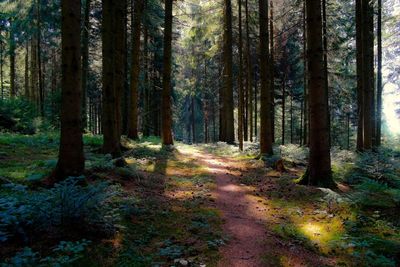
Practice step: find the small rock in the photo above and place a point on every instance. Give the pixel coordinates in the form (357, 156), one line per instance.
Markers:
(183, 262)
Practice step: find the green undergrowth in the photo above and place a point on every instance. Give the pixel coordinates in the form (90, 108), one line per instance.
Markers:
(154, 212)
(357, 225)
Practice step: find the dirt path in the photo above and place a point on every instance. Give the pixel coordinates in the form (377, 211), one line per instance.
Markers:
(242, 215)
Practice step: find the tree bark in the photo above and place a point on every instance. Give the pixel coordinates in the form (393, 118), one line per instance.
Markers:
(228, 76)
(111, 103)
(272, 69)
(85, 61)
(241, 89)
(360, 92)
(266, 102)
(71, 160)
(368, 72)
(379, 77)
(133, 111)
(319, 170)
(249, 80)
(26, 74)
(12, 61)
(167, 86)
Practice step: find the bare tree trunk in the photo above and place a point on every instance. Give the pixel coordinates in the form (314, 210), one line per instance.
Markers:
(249, 79)
(379, 78)
(368, 72)
(266, 102)
(111, 72)
(241, 93)
(272, 69)
(39, 58)
(71, 160)
(228, 76)
(305, 94)
(85, 61)
(12, 61)
(167, 86)
(360, 87)
(133, 111)
(319, 170)
(1, 68)
(283, 109)
(26, 85)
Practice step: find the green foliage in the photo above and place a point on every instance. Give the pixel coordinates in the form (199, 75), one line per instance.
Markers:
(21, 116)
(65, 254)
(67, 207)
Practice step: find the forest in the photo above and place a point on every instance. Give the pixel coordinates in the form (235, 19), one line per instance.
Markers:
(226, 133)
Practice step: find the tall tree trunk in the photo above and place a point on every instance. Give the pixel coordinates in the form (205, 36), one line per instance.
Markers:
(112, 71)
(266, 102)
(305, 78)
(71, 160)
(1, 68)
(283, 109)
(12, 61)
(319, 170)
(34, 84)
(193, 119)
(291, 117)
(255, 123)
(241, 89)
(272, 69)
(326, 73)
(228, 76)
(133, 111)
(120, 55)
(85, 62)
(249, 79)
(368, 72)
(39, 58)
(167, 85)
(26, 78)
(379, 78)
(360, 87)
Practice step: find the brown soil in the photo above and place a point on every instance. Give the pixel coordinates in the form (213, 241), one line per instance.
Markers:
(250, 242)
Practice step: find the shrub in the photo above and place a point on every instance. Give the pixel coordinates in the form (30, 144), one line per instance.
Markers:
(65, 254)
(59, 210)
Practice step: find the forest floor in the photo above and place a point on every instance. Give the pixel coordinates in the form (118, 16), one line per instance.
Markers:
(211, 205)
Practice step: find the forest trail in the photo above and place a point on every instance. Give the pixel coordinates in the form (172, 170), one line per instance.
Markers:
(242, 213)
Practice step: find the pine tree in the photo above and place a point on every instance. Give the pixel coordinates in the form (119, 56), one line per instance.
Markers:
(71, 160)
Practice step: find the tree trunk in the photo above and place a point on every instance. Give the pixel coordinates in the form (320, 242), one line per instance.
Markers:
(111, 72)
(305, 78)
(266, 102)
(319, 170)
(249, 80)
(272, 69)
(379, 78)
(71, 160)
(193, 119)
(360, 87)
(39, 58)
(26, 78)
(85, 62)
(167, 86)
(133, 111)
(326, 73)
(368, 72)
(12, 61)
(283, 109)
(228, 76)
(241, 89)
(1, 68)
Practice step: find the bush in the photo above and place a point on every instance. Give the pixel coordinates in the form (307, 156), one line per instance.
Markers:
(64, 254)
(19, 115)
(60, 210)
